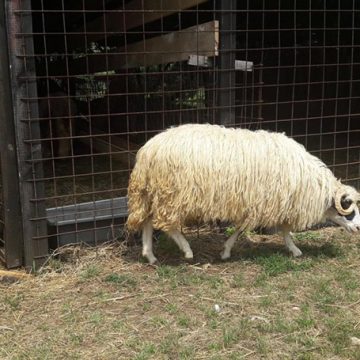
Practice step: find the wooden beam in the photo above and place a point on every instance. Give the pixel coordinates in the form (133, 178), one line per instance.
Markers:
(135, 13)
(177, 46)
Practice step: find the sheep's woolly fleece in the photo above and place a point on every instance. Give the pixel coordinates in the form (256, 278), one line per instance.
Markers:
(201, 173)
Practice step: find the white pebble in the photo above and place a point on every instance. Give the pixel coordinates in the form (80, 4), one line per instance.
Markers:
(255, 317)
(355, 340)
(217, 308)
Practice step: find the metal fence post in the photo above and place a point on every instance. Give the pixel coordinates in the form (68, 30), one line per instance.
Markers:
(227, 86)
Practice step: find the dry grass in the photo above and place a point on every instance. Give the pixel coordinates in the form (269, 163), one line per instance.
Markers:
(106, 303)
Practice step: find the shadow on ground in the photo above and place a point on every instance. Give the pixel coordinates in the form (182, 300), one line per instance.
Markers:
(207, 249)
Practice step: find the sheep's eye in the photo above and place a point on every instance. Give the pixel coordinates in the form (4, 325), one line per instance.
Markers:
(345, 203)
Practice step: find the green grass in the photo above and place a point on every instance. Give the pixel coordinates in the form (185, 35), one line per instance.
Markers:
(229, 231)
(96, 318)
(13, 301)
(146, 352)
(89, 272)
(307, 236)
(121, 280)
(277, 263)
(183, 321)
(272, 306)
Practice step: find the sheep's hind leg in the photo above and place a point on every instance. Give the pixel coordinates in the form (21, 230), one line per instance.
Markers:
(226, 253)
(182, 243)
(147, 241)
(290, 244)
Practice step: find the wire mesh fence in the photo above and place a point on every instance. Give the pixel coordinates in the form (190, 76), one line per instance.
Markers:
(99, 78)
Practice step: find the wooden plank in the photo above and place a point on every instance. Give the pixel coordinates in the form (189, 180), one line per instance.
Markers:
(31, 190)
(177, 46)
(136, 13)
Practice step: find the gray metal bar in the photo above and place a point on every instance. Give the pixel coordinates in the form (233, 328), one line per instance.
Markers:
(87, 222)
(13, 236)
(88, 212)
(227, 27)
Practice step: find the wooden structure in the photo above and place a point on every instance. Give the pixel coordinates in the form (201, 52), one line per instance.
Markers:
(101, 61)
(124, 70)
(173, 47)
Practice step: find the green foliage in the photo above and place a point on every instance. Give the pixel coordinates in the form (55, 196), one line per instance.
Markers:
(229, 231)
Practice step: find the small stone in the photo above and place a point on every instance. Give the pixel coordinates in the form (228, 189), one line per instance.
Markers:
(217, 308)
(259, 318)
(355, 341)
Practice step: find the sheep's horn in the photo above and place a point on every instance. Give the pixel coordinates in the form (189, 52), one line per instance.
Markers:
(338, 196)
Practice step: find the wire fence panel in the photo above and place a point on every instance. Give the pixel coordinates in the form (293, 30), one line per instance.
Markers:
(109, 75)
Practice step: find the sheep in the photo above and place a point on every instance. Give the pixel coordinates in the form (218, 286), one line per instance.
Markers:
(202, 173)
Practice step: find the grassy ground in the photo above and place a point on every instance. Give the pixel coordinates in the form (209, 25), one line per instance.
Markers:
(106, 303)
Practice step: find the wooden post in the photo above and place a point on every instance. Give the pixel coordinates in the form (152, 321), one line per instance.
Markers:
(13, 236)
(30, 170)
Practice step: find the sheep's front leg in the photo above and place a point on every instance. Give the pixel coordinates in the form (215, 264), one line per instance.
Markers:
(289, 243)
(147, 241)
(182, 243)
(226, 253)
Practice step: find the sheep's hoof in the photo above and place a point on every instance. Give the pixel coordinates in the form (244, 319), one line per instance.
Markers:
(151, 259)
(296, 252)
(189, 256)
(224, 255)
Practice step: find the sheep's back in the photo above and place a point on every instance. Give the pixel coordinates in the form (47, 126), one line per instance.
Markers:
(201, 173)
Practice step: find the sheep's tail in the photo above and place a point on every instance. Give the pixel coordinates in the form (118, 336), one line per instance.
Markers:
(138, 199)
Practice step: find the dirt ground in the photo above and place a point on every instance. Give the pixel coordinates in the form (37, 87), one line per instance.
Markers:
(108, 303)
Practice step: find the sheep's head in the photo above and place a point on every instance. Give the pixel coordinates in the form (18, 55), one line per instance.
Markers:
(345, 210)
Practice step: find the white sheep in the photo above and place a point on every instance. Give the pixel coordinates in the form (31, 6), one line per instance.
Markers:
(202, 173)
